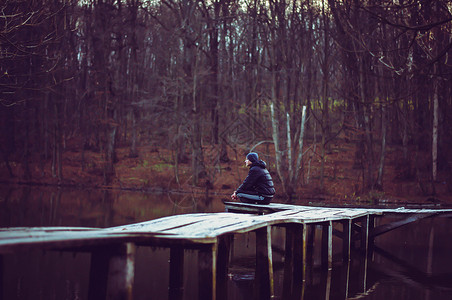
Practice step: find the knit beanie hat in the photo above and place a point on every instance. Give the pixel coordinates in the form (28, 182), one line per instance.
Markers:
(252, 157)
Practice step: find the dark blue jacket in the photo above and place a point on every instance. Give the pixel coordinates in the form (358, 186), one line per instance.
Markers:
(258, 180)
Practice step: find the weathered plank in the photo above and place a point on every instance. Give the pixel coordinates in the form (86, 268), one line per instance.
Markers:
(238, 206)
(193, 228)
(111, 273)
(57, 240)
(165, 223)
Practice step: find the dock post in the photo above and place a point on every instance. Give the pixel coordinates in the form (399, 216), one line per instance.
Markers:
(300, 245)
(294, 260)
(371, 225)
(346, 241)
(345, 279)
(98, 274)
(311, 228)
(327, 245)
(365, 250)
(325, 283)
(112, 272)
(365, 234)
(304, 260)
(310, 239)
(121, 272)
(363, 268)
(207, 262)
(2, 266)
(264, 285)
(224, 250)
(288, 261)
(176, 274)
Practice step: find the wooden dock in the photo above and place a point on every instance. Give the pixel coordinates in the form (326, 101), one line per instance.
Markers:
(211, 234)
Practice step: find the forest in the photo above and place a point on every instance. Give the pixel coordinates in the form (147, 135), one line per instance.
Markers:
(92, 84)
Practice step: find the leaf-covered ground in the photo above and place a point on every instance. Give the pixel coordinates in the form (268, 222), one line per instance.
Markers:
(154, 170)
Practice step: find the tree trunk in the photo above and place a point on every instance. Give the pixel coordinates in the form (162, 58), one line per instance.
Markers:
(383, 148)
(322, 160)
(366, 118)
(109, 169)
(198, 167)
(435, 133)
(289, 148)
(26, 141)
(300, 146)
(57, 151)
(214, 72)
(133, 146)
(275, 134)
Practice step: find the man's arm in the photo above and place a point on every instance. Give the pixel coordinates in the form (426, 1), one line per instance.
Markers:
(249, 181)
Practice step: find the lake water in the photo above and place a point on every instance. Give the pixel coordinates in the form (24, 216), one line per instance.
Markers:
(411, 262)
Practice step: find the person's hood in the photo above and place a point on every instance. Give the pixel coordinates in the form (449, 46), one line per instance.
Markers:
(260, 163)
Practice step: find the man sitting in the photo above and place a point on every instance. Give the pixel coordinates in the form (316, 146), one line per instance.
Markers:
(258, 186)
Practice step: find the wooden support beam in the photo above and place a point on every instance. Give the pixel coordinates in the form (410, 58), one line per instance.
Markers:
(176, 274)
(365, 233)
(345, 280)
(327, 245)
(294, 260)
(420, 277)
(300, 245)
(2, 266)
(224, 251)
(356, 227)
(207, 281)
(121, 273)
(328, 284)
(346, 239)
(325, 279)
(112, 272)
(239, 207)
(288, 262)
(300, 263)
(363, 267)
(264, 285)
(371, 242)
(310, 246)
(308, 258)
(393, 225)
(98, 274)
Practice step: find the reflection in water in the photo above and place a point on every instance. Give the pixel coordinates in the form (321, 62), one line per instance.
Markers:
(26, 206)
(412, 262)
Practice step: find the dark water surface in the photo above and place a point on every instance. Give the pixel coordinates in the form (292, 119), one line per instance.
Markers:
(412, 262)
